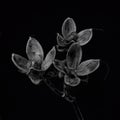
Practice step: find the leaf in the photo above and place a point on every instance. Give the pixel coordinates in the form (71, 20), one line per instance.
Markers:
(35, 76)
(88, 67)
(49, 59)
(71, 37)
(64, 48)
(74, 55)
(84, 36)
(20, 62)
(60, 40)
(59, 65)
(68, 27)
(71, 81)
(34, 50)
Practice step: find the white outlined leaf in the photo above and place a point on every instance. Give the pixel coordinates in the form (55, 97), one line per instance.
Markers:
(74, 55)
(34, 50)
(49, 59)
(84, 36)
(87, 67)
(35, 77)
(60, 40)
(20, 62)
(68, 27)
(71, 81)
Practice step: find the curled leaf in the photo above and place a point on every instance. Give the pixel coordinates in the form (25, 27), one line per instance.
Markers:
(64, 48)
(60, 40)
(71, 37)
(68, 27)
(87, 67)
(20, 62)
(71, 81)
(49, 59)
(84, 36)
(74, 55)
(34, 50)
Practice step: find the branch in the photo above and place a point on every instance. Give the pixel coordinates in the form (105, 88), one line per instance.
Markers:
(73, 101)
(77, 110)
(65, 94)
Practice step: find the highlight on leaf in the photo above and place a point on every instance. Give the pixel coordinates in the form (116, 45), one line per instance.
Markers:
(68, 27)
(20, 62)
(84, 36)
(74, 55)
(34, 50)
(49, 59)
(71, 81)
(87, 67)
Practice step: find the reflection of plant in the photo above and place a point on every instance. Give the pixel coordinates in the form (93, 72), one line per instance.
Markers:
(70, 68)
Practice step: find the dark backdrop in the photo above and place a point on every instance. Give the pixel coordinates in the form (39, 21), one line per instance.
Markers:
(21, 100)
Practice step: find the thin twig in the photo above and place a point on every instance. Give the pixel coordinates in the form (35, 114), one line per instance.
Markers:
(73, 101)
(77, 110)
(65, 94)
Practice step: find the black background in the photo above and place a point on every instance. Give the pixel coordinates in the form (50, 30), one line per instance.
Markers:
(21, 100)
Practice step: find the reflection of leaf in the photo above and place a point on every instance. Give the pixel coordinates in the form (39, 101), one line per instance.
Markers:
(20, 62)
(34, 50)
(84, 36)
(68, 27)
(49, 59)
(71, 81)
(87, 67)
(74, 55)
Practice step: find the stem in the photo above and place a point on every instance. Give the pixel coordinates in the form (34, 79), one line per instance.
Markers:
(77, 110)
(66, 95)
(73, 101)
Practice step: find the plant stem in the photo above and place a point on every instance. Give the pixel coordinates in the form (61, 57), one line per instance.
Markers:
(73, 101)
(77, 110)
(65, 94)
